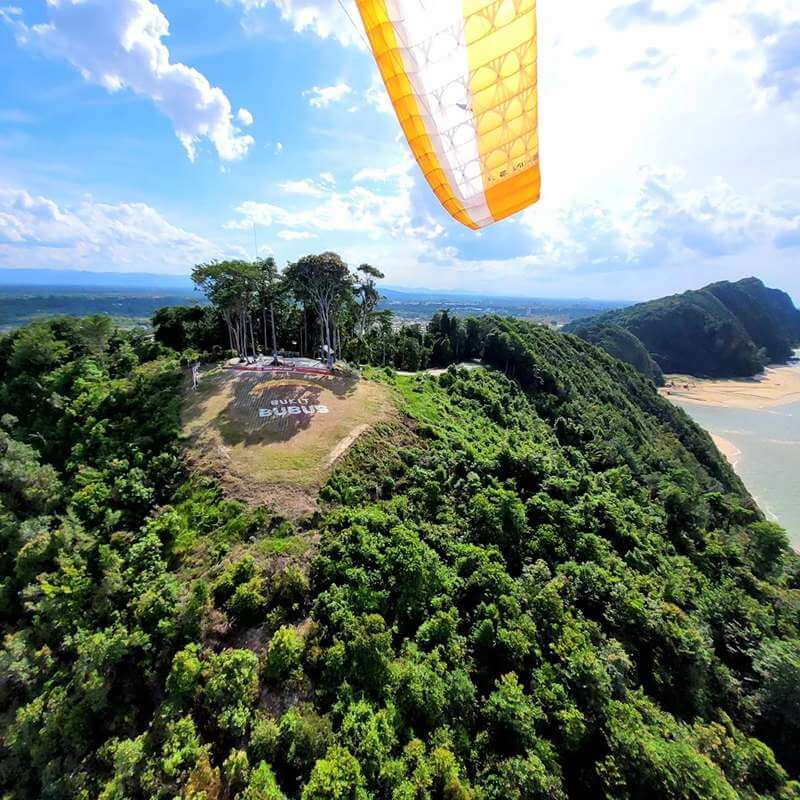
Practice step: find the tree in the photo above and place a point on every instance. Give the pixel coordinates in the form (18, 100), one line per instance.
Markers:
(200, 327)
(336, 777)
(262, 785)
(766, 547)
(449, 339)
(36, 350)
(231, 688)
(231, 287)
(777, 664)
(511, 716)
(270, 290)
(284, 654)
(368, 297)
(324, 281)
(384, 320)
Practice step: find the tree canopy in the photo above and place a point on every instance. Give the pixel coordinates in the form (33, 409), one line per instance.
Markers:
(540, 580)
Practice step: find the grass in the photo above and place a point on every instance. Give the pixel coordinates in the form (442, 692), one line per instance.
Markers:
(277, 462)
(283, 545)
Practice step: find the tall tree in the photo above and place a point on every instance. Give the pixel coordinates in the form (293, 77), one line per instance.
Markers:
(448, 337)
(325, 281)
(231, 287)
(270, 290)
(368, 297)
(385, 331)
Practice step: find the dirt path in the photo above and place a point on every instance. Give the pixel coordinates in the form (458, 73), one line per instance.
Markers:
(345, 444)
(441, 370)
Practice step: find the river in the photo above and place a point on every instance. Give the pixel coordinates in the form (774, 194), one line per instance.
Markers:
(768, 440)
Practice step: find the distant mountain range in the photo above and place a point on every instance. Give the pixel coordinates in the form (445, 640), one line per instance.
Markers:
(151, 282)
(81, 279)
(132, 298)
(723, 330)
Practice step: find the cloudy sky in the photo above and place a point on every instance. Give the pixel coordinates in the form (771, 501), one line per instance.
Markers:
(147, 136)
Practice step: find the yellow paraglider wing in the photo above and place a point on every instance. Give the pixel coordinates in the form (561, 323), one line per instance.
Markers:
(461, 75)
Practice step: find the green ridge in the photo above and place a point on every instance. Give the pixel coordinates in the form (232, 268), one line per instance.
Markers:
(724, 330)
(542, 581)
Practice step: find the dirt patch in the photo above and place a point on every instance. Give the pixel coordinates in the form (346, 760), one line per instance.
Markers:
(345, 444)
(273, 440)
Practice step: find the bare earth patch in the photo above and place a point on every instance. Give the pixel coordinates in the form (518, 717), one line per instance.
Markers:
(273, 440)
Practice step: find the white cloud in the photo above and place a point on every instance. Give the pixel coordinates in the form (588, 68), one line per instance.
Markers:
(304, 187)
(244, 117)
(655, 12)
(377, 96)
(323, 96)
(358, 211)
(290, 236)
(119, 45)
(399, 172)
(664, 223)
(761, 37)
(35, 231)
(320, 207)
(653, 65)
(779, 40)
(665, 236)
(325, 18)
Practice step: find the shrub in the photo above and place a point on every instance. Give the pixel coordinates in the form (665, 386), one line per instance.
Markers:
(283, 655)
(231, 687)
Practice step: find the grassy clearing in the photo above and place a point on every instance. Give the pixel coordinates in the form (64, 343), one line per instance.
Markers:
(283, 460)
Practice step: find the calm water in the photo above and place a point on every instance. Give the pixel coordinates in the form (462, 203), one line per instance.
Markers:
(769, 462)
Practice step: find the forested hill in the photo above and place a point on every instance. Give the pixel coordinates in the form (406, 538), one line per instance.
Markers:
(540, 581)
(723, 330)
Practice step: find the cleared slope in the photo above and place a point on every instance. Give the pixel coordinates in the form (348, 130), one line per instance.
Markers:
(273, 439)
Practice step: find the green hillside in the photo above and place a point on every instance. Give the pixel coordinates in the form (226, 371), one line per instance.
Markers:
(622, 344)
(724, 330)
(768, 315)
(537, 580)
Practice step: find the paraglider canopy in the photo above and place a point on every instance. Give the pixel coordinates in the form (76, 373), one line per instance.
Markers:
(461, 75)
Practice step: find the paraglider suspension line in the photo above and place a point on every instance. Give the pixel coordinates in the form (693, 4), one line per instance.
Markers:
(355, 27)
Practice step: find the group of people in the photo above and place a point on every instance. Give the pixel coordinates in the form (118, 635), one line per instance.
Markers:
(326, 354)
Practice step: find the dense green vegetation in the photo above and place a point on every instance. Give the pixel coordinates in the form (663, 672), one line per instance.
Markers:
(724, 330)
(200, 332)
(314, 307)
(768, 315)
(622, 344)
(543, 582)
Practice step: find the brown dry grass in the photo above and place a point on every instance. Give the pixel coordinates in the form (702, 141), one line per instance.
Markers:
(282, 462)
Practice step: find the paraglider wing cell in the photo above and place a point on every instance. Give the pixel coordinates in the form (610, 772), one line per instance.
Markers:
(461, 75)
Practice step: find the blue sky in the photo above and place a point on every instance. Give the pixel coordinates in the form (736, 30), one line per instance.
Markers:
(147, 136)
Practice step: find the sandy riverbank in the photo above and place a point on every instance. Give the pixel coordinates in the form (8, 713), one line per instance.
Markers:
(775, 386)
(728, 449)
